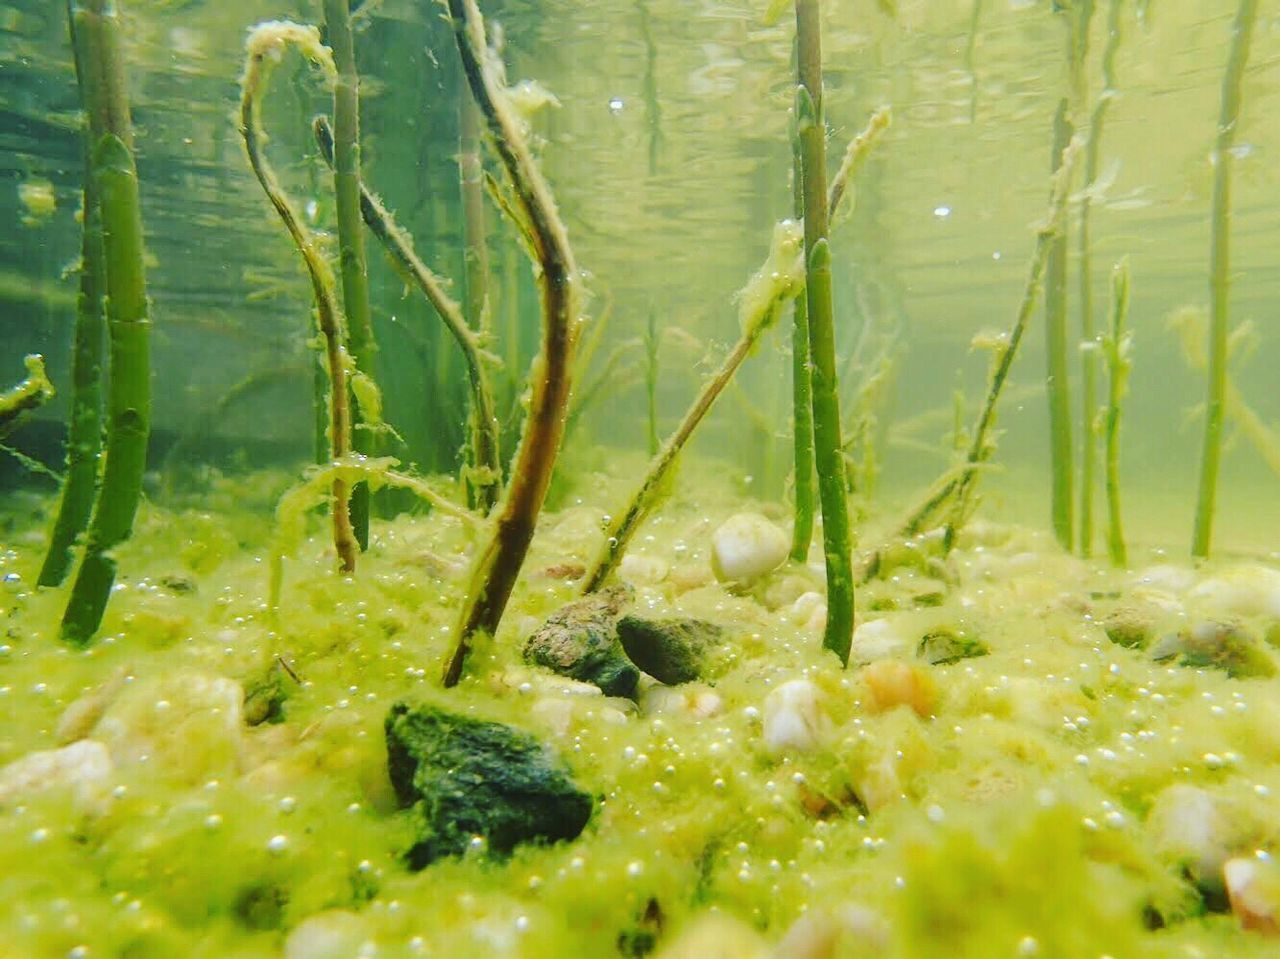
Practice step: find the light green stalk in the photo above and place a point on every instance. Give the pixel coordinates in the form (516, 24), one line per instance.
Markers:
(1220, 276)
(498, 562)
(263, 49)
(355, 274)
(761, 300)
(84, 426)
(1116, 349)
(486, 464)
(837, 545)
(97, 30)
(1057, 385)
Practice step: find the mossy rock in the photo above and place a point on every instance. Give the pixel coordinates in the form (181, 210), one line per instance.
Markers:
(672, 651)
(943, 646)
(580, 640)
(466, 777)
(1212, 645)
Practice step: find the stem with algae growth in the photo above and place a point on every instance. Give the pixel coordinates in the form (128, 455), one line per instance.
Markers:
(837, 547)
(351, 258)
(1220, 276)
(801, 387)
(31, 393)
(1057, 385)
(1116, 349)
(498, 562)
(487, 464)
(957, 488)
(264, 48)
(776, 281)
(97, 33)
(84, 427)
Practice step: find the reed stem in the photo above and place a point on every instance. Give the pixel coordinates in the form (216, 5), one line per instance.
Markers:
(84, 425)
(486, 461)
(351, 258)
(801, 384)
(1116, 348)
(837, 546)
(762, 300)
(1220, 275)
(498, 563)
(97, 31)
(264, 47)
(1057, 384)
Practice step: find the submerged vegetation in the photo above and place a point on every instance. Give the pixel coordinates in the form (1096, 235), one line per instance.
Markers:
(666, 723)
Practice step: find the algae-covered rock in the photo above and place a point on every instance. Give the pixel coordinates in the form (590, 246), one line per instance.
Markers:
(264, 698)
(580, 641)
(943, 646)
(672, 651)
(466, 777)
(1222, 646)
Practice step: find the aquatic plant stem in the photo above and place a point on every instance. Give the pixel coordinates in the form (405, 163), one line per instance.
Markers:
(264, 48)
(97, 32)
(498, 562)
(957, 489)
(1057, 384)
(1116, 351)
(351, 258)
(486, 460)
(801, 385)
(651, 380)
(31, 393)
(84, 423)
(837, 546)
(781, 274)
(1220, 276)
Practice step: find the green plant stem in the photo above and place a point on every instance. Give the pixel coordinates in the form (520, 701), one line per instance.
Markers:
(498, 562)
(762, 313)
(485, 433)
(263, 49)
(1116, 349)
(97, 31)
(801, 386)
(651, 380)
(84, 425)
(837, 546)
(957, 489)
(355, 274)
(1057, 384)
(1220, 275)
(31, 393)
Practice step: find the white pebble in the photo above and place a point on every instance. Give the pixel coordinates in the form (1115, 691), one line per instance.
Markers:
(793, 718)
(745, 547)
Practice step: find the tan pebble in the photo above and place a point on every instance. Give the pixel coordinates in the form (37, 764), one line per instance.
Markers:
(717, 937)
(891, 683)
(1253, 886)
(643, 570)
(687, 576)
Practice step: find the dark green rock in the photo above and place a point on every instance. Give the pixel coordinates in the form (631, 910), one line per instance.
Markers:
(941, 647)
(465, 777)
(264, 698)
(1212, 645)
(1130, 627)
(580, 641)
(672, 651)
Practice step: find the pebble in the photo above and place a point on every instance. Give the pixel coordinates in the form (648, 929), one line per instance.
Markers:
(717, 937)
(643, 570)
(877, 639)
(891, 683)
(84, 767)
(335, 934)
(746, 547)
(1253, 888)
(793, 718)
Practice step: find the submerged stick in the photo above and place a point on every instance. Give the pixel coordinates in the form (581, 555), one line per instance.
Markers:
(351, 258)
(1088, 334)
(957, 488)
(498, 563)
(837, 546)
(128, 321)
(264, 48)
(1220, 276)
(774, 283)
(1116, 348)
(84, 424)
(487, 463)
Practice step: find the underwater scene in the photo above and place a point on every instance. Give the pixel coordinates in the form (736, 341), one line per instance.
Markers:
(718, 478)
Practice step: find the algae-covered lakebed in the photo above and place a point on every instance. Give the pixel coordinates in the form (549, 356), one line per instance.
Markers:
(742, 478)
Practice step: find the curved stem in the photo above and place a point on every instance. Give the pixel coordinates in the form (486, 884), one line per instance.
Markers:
(264, 47)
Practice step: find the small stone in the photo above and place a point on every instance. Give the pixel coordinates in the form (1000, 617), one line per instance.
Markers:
(84, 767)
(264, 698)
(1253, 889)
(717, 937)
(465, 778)
(1224, 646)
(1130, 627)
(78, 720)
(672, 651)
(643, 570)
(943, 646)
(580, 641)
(746, 547)
(333, 934)
(793, 718)
(877, 639)
(892, 683)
